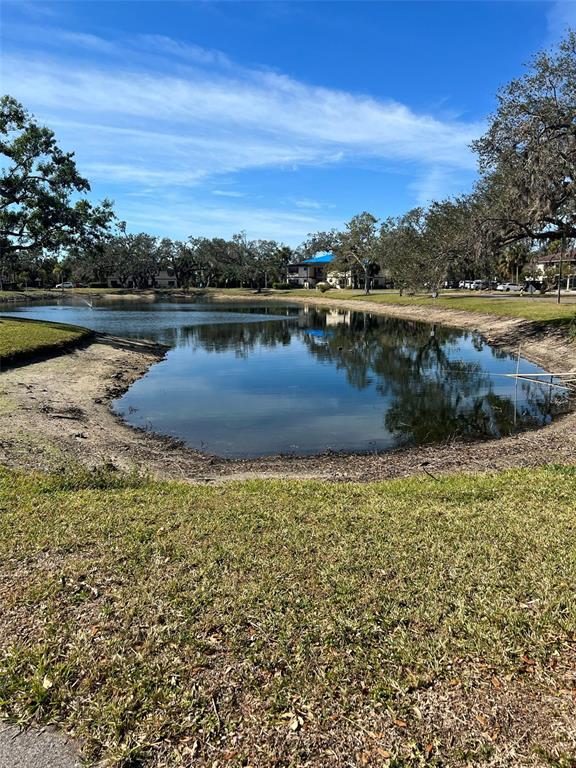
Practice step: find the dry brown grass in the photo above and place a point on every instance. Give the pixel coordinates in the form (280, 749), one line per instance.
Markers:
(275, 623)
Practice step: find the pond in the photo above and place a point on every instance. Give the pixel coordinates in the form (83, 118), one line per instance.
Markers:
(245, 380)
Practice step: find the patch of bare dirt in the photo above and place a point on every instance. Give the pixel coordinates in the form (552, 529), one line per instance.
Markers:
(60, 408)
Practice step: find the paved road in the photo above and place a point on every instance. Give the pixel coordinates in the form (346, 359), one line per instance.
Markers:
(551, 297)
(36, 748)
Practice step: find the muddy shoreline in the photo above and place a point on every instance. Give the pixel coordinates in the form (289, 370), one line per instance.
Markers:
(55, 410)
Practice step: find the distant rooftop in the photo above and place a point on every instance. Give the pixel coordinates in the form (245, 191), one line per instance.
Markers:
(554, 258)
(321, 258)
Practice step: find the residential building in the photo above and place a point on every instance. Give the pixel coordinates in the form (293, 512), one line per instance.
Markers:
(550, 262)
(310, 272)
(164, 278)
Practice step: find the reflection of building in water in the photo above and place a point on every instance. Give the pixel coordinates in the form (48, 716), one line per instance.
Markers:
(336, 317)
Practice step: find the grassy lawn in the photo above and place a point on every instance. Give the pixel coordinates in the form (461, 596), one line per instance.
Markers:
(31, 293)
(276, 623)
(537, 308)
(19, 338)
(38, 294)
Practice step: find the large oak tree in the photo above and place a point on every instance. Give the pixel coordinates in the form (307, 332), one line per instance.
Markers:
(528, 155)
(43, 204)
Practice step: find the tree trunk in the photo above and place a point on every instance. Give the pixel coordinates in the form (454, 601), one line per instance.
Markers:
(562, 248)
(366, 283)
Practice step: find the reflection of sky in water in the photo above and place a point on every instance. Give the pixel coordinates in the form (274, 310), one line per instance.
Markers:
(158, 321)
(247, 381)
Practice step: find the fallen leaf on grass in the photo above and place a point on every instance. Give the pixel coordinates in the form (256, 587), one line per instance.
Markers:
(296, 720)
(296, 723)
(482, 720)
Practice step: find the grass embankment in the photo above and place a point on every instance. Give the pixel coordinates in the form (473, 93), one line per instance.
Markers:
(40, 294)
(21, 338)
(538, 308)
(30, 293)
(279, 623)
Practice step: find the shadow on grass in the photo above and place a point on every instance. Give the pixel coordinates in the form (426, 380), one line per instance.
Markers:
(46, 351)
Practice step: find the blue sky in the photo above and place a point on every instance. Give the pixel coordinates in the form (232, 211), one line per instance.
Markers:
(277, 118)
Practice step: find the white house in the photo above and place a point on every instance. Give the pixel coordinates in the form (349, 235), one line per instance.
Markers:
(310, 272)
(551, 261)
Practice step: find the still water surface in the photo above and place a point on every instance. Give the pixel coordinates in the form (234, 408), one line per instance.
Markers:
(245, 381)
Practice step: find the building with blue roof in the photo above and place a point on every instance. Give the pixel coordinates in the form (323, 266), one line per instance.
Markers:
(321, 258)
(310, 272)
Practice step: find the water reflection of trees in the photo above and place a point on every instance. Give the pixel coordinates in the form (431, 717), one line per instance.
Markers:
(241, 338)
(431, 394)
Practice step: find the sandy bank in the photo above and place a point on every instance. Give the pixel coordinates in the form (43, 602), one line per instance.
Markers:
(58, 409)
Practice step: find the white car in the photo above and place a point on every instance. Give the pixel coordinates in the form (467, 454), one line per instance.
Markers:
(65, 285)
(508, 287)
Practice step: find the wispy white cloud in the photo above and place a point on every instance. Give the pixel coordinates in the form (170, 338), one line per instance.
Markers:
(186, 51)
(155, 113)
(83, 40)
(31, 8)
(181, 218)
(436, 182)
(561, 16)
(227, 193)
(305, 123)
(307, 203)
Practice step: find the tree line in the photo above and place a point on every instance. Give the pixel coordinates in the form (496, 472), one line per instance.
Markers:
(524, 202)
(135, 260)
(50, 232)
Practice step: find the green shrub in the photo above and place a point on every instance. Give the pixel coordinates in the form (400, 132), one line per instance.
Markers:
(282, 286)
(323, 287)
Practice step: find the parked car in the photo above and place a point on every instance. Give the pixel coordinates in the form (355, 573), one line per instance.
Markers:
(508, 287)
(65, 285)
(479, 285)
